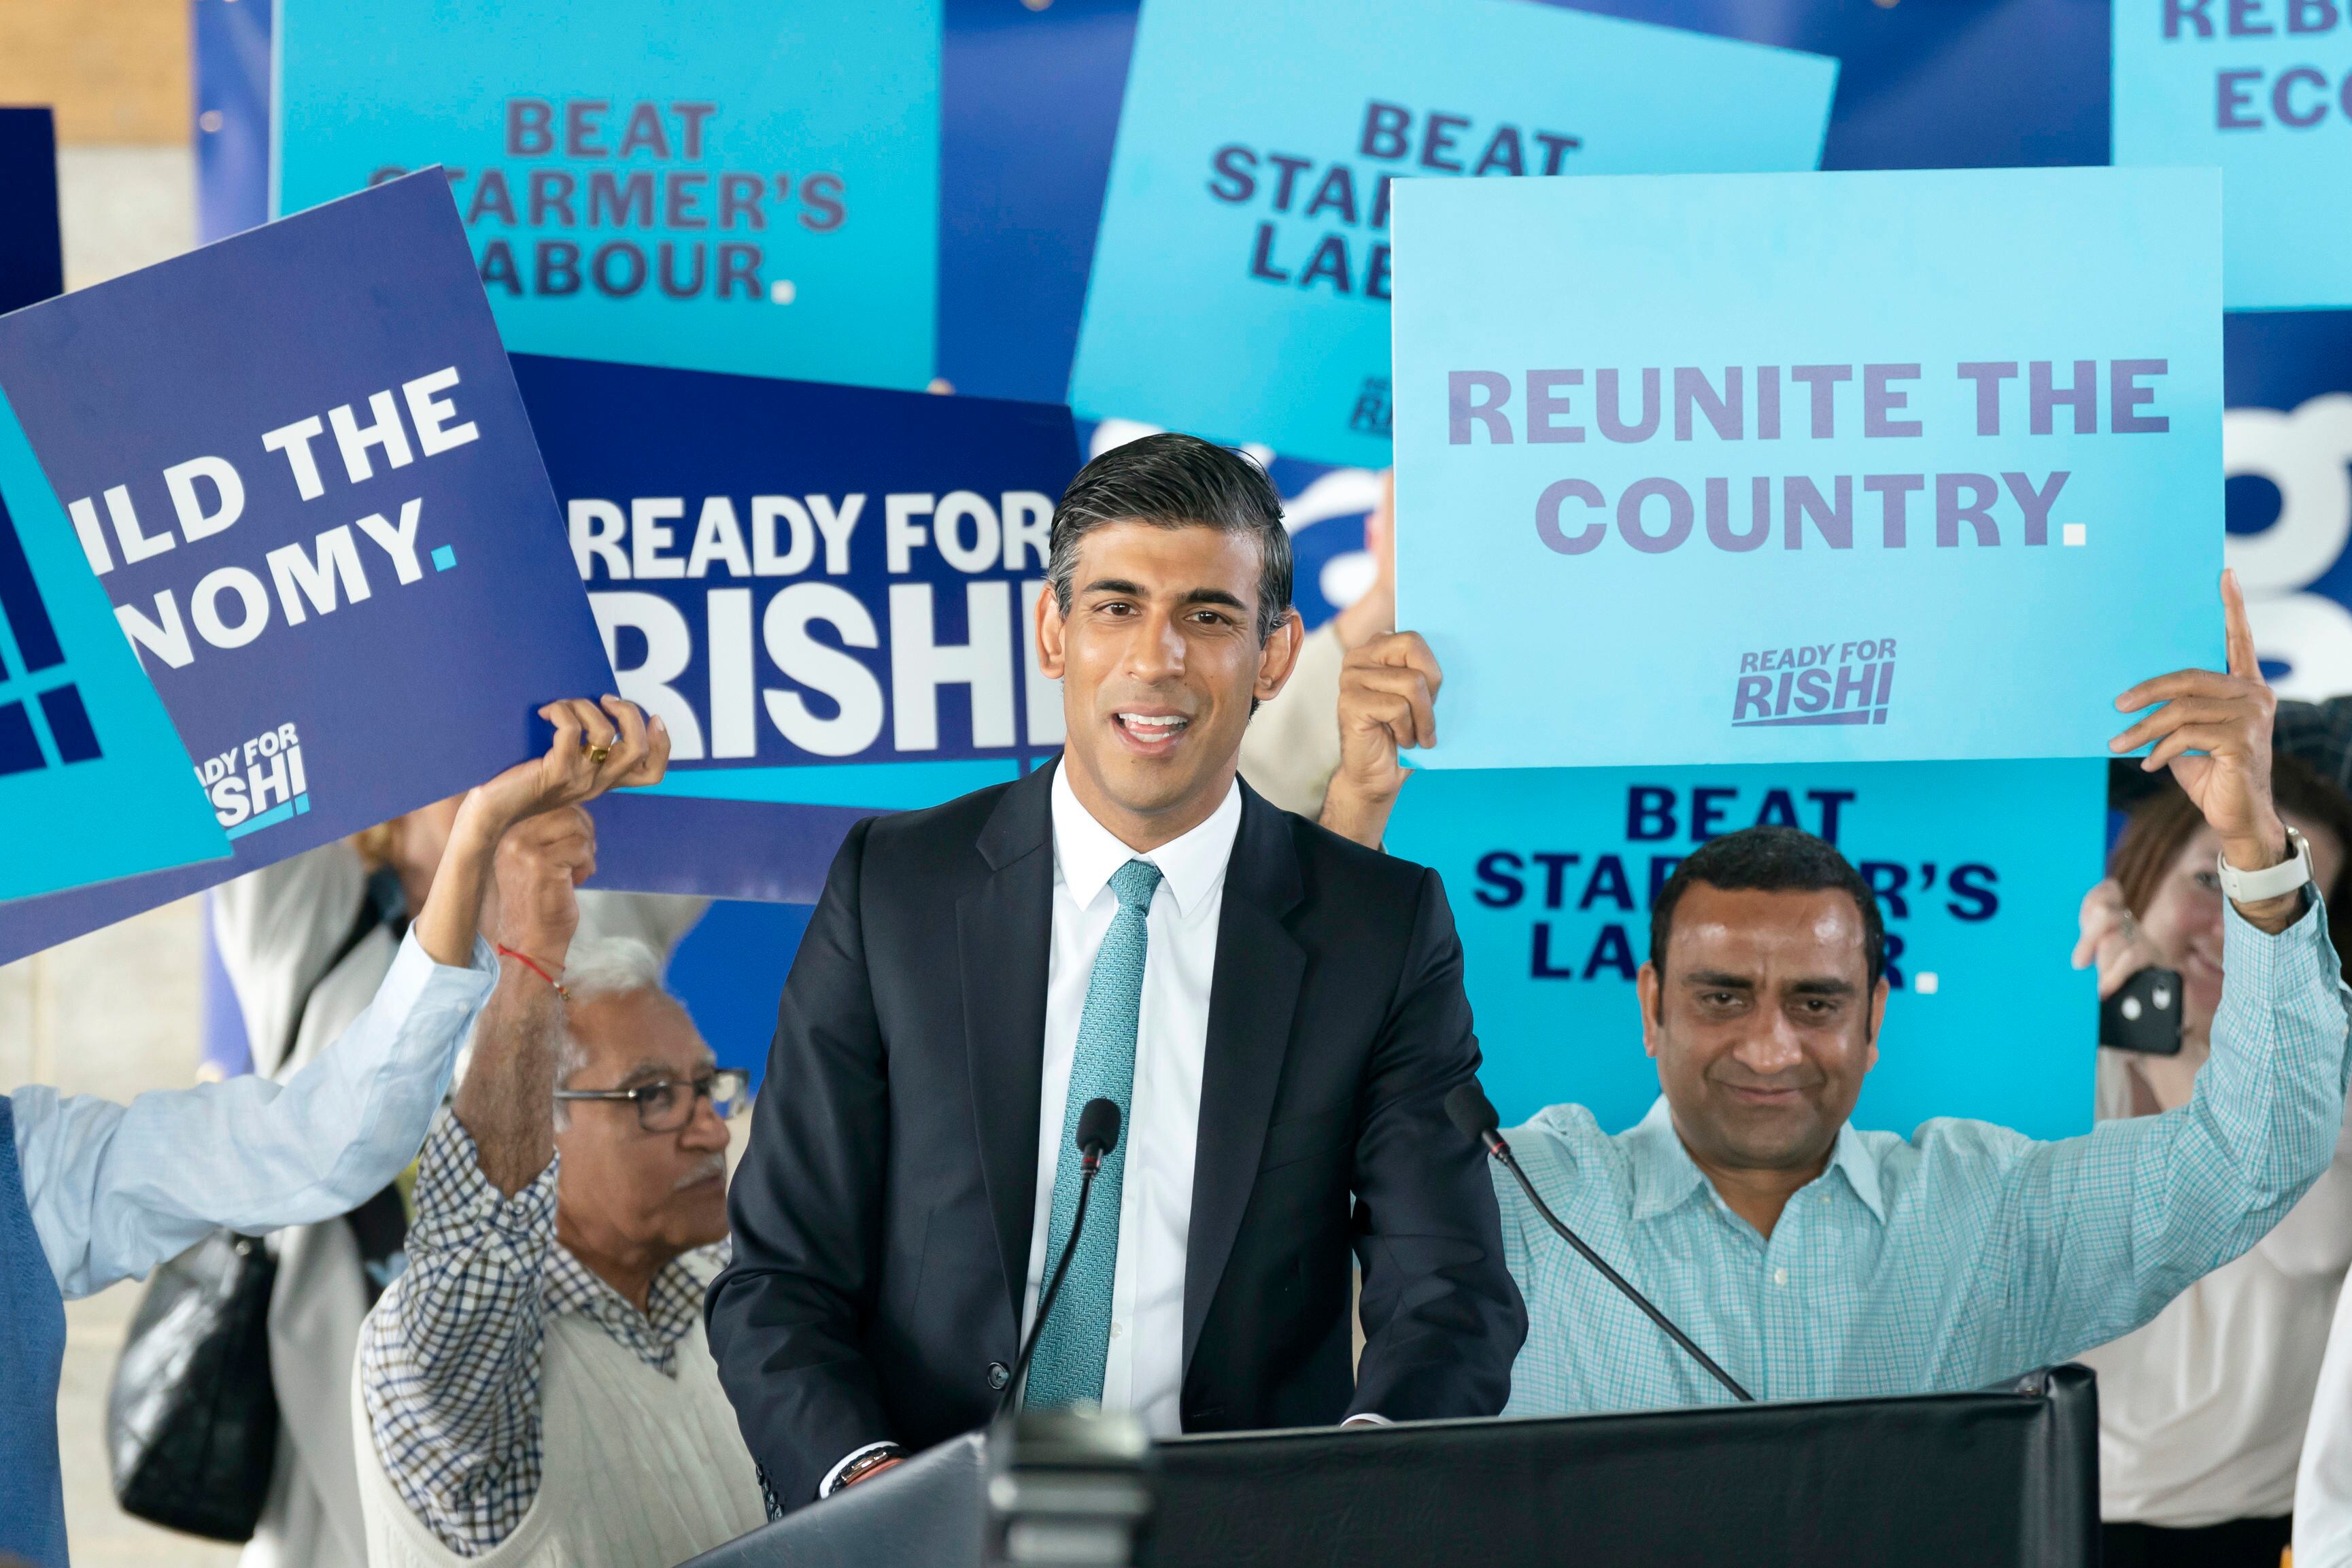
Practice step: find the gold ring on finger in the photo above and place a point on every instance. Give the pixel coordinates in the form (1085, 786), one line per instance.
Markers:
(598, 754)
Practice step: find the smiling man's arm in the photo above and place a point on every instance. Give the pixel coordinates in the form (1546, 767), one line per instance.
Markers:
(2106, 1228)
(2102, 1230)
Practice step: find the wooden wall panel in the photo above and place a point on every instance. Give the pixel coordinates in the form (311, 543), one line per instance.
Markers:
(116, 70)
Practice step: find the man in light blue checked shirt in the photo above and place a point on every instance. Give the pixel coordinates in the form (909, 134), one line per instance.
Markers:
(1816, 1261)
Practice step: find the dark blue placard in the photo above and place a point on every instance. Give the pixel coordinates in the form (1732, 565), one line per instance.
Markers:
(825, 591)
(372, 626)
(32, 257)
(1028, 109)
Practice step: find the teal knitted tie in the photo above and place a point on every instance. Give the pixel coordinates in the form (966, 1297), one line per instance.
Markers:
(1068, 1366)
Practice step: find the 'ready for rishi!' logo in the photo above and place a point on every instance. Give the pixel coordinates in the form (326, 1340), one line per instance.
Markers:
(1825, 683)
(258, 783)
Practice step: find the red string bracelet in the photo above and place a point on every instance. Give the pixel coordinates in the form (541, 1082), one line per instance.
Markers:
(533, 964)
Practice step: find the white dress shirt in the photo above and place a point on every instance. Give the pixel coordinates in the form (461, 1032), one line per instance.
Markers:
(114, 1190)
(1145, 1369)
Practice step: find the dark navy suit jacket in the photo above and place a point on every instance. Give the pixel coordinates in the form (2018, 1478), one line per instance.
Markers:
(882, 1213)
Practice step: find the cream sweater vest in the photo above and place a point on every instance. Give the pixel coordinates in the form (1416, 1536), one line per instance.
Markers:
(638, 1471)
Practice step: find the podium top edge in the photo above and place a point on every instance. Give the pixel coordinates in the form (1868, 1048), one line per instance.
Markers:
(2036, 1387)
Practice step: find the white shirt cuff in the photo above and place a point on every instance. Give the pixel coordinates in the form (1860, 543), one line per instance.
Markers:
(832, 1476)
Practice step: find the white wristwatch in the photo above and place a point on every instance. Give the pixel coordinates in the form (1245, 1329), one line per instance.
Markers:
(2273, 881)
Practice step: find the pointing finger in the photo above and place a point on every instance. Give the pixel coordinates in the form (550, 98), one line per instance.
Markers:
(2243, 661)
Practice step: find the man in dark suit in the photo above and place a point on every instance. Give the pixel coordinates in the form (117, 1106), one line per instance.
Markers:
(1277, 1012)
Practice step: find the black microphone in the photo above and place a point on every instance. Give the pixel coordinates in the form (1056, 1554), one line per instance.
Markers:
(1471, 1111)
(1098, 1135)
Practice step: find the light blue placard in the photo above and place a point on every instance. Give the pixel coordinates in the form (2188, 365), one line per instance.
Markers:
(1240, 284)
(2262, 90)
(727, 185)
(1692, 552)
(1981, 868)
(93, 779)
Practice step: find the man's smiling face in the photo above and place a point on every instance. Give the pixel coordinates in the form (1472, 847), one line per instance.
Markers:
(1160, 661)
(1763, 1023)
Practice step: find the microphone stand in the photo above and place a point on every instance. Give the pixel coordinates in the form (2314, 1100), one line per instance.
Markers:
(1086, 1169)
(1502, 1151)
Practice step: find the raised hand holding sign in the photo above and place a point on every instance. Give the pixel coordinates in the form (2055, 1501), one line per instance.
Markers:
(2212, 728)
(598, 747)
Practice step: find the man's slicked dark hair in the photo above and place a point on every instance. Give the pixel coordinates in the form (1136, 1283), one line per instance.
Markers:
(1176, 481)
(1770, 861)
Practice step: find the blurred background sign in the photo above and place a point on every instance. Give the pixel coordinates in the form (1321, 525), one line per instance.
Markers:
(715, 185)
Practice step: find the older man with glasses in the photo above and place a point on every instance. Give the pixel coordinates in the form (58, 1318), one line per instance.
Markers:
(536, 1386)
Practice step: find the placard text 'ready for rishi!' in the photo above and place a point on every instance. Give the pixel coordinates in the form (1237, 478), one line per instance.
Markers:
(828, 593)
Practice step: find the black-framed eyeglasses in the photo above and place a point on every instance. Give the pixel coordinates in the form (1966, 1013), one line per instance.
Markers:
(665, 1104)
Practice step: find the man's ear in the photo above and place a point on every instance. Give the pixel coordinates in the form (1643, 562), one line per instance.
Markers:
(1878, 993)
(1279, 657)
(1649, 984)
(1049, 630)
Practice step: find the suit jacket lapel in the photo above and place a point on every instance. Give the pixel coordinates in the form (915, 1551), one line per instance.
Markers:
(1003, 942)
(1251, 1001)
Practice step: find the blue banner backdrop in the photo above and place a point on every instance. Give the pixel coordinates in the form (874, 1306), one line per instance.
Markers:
(1029, 107)
(232, 40)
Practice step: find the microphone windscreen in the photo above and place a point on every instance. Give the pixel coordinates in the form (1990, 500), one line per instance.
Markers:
(1097, 1128)
(1469, 1110)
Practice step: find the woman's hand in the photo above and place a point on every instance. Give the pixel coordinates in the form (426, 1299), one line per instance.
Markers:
(2113, 940)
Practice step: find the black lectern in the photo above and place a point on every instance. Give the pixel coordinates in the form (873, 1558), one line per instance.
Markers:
(2008, 1477)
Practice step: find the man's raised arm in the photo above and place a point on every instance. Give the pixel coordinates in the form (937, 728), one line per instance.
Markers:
(115, 1190)
(449, 1360)
(2111, 1226)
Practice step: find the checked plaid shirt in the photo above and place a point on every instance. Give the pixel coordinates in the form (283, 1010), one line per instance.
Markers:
(450, 1357)
(1961, 1257)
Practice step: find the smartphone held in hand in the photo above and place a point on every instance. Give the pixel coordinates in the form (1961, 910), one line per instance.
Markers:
(2144, 1014)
